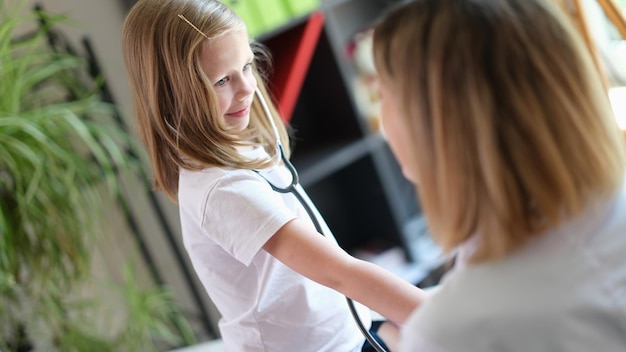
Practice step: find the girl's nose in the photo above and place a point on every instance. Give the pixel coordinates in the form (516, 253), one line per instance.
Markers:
(246, 89)
(242, 96)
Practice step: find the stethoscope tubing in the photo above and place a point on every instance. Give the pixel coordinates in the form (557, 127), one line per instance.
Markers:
(293, 189)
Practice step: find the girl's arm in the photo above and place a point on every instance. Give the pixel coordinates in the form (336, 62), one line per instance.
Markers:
(307, 252)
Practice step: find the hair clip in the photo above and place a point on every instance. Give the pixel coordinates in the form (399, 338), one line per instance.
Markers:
(192, 26)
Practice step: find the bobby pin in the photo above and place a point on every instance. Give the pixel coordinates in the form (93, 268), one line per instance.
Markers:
(192, 26)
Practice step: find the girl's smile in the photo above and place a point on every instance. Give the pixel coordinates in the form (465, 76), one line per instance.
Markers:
(240, 113)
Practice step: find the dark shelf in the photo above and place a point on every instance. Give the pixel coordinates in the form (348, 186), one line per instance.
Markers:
(354, 205)
(293, 52)
(349, 172)
(316, 165)
(324, 113)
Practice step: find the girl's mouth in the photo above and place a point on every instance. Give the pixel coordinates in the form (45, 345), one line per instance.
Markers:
(241, 113)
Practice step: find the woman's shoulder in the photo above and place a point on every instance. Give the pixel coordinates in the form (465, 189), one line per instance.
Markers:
(571, 275)
(495, 308)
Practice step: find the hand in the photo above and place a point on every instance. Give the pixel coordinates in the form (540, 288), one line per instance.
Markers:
(390, 334)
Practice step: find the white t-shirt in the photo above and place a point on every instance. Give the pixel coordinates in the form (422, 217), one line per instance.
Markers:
(227, 215)
(564, 292)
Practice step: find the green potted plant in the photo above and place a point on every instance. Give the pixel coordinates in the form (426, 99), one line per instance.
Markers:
(60, 160)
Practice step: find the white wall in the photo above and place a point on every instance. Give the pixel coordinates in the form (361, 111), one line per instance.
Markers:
(101, 21)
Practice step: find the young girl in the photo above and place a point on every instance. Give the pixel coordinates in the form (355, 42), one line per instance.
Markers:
(270, 274)
(496, 112)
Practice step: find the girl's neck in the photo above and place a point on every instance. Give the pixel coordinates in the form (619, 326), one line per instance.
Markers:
(246, 148)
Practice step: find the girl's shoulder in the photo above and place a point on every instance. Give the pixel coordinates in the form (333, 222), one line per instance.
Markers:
(211, 176)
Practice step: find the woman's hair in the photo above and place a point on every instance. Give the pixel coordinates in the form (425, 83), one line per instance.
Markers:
(176, 107)
(511, 126)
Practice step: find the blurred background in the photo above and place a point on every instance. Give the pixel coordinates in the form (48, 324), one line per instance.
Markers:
(91, 257)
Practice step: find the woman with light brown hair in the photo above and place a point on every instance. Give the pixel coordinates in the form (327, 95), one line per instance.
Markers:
(495, 111)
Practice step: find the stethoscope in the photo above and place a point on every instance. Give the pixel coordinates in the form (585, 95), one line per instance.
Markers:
(293, 189)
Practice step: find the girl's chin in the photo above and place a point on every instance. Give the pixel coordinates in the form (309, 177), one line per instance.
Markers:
(238, 123)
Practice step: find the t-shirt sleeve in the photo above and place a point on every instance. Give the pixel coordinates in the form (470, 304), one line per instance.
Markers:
(242, 212)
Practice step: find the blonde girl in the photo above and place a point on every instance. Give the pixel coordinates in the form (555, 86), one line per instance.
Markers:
(277, 283)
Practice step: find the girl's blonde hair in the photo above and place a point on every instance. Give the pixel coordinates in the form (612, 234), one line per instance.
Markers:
(175, 104)
(512, 129)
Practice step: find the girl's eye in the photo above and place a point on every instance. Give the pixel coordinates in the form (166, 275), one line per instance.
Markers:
(222, 82)
(247, 66)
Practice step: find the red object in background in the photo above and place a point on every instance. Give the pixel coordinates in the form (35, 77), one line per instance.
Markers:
(292, 52)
